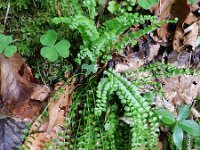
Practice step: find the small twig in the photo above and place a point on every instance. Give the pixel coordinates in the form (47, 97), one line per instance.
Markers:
(7, 12)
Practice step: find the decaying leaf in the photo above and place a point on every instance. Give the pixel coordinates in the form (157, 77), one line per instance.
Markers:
(180, 60)
(134, 61)
(10, 133)
(196, 58)
(162, 11)
(36, 141)
(49, 128)
(181, 90)
(17, 89)
(186, 36)
(187, 27)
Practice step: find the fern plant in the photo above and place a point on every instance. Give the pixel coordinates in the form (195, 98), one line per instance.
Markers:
(136, 108)
(101, 42)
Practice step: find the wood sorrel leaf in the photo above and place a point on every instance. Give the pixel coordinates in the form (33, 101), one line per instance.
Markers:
(49, 38)
(10, 50)
(62, 48)
(50, 53)
(146, 4)
(5, 40)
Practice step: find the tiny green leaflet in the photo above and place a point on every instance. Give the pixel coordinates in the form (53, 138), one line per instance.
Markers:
(5, 45)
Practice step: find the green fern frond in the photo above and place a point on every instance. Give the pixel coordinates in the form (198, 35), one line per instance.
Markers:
(101, 42)
(135, 106)
(91, 6)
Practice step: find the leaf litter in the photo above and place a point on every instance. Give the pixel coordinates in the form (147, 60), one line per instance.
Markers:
(47, 129)
(17, 106)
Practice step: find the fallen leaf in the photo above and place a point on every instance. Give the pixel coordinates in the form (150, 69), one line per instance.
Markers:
(36, 141)
(162, 11)
(56, 106)
(180, 9)
(133, 61)
(168, 9)
(183, 89)
(17, 89)
(191, 18)
(11, 131)
(40, 92)
(51, 126)
(190, 38)
(180, 59)
(177, 41)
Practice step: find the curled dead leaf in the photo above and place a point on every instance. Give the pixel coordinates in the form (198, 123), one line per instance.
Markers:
(17, 89)
(54, 123)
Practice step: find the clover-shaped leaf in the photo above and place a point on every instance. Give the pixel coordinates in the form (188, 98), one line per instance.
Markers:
(51, 49)
(49, 39)
(50, 53)
(61, 48)
(5, 46)
(90, 68)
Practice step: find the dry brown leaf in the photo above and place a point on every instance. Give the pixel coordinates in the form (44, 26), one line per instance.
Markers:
(180, 9)
(53, 125)
(36, 141)
(133, 62)
(17, 88)
(177, 41)
(182, 90)
(40, 92)
(162, 11)
(168, 9)
(56, 107)
(187, 36)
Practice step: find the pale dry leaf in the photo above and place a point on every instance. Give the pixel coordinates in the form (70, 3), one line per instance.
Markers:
(182, 90)
(191, 18)
(190, 38)
(53, 111)
(36, 141)
(56, 106)
(133, 62)
(40, 92)
(177, 41)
